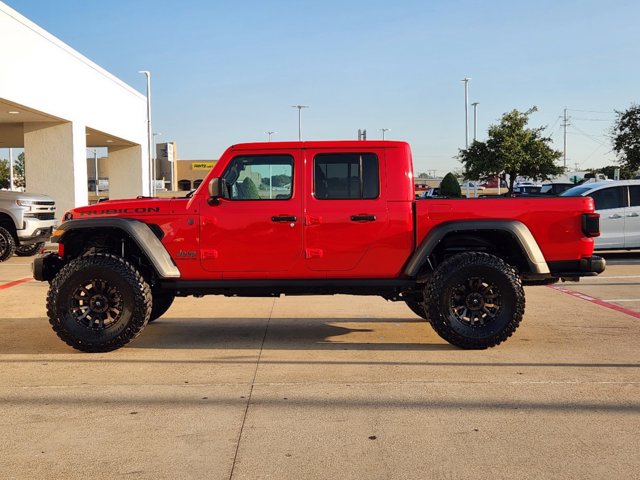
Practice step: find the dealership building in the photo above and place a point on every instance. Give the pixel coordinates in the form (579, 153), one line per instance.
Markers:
(56, 104)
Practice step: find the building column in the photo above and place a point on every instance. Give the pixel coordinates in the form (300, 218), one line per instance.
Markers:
(56, 163)
(128, 176)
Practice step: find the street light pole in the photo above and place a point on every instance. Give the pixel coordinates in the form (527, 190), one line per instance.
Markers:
(300, 107)
(475, 120)
(11, 180)
(269, 134)
(384, 130)
(466, 110)
(152, 166)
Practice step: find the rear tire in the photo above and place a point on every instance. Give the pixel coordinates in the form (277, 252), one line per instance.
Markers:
(7, 244)
(29, 250)
(98, 303)
(475, 300)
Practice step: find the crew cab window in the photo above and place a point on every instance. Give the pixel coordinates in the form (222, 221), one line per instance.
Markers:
(260, 177)
(346, 176)
(608, 198)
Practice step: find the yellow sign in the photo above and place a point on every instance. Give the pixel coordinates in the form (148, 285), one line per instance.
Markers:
(202, 165)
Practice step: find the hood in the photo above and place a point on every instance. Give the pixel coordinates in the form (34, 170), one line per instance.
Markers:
(13, 196)
(130, 207)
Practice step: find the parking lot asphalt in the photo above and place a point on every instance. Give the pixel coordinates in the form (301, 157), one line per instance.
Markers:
(328, 388)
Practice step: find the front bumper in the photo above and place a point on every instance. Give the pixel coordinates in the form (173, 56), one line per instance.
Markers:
(46, 266)
(35, 231)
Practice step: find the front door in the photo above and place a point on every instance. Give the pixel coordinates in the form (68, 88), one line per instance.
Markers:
(259, 227)
(632, 219)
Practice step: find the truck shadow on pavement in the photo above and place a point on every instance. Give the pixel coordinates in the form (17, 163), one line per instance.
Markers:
(288, 334)
(35, 336)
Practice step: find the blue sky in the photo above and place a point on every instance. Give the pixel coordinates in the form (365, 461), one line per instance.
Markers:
(226, 72)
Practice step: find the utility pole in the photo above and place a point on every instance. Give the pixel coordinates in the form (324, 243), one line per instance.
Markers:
(475, 120)
(384, 130)
(269, 134)
(466, 110)
(362, 134)
(299, 107)
(565, 124)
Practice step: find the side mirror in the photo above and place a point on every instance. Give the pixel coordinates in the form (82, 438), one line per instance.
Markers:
(218, 188)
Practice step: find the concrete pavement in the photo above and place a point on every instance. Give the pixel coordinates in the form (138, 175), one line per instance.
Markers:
(319, 387)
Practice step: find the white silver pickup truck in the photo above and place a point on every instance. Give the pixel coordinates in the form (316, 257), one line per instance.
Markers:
(26, 223)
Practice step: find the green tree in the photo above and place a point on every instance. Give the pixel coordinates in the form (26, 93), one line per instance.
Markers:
(609, 170)
(626, 137)
(19, 174)
(449, 186)
(4, 173)
(512, 149)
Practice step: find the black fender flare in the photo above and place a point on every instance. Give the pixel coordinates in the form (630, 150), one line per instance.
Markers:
(138, 231)
(517, 230)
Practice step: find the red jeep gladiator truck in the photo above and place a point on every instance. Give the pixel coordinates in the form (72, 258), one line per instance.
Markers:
(313, 218)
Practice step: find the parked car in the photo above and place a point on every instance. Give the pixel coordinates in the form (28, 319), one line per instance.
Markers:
(432, 192)
(526, 189)
(618, 203)
(556, 188)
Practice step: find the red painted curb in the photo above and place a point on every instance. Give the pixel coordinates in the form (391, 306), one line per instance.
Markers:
(597, 301)
(14, 283)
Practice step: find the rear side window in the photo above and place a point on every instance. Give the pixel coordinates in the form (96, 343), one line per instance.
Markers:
(608, 198)
(344, 176)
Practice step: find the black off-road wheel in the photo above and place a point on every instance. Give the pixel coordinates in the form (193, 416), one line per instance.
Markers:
(475, 300)
(29, 250)
(7, 244)
(162, 301)
(418, 308)
(98, 303)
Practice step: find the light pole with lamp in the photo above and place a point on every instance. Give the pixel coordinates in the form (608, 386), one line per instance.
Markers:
(466, 110)
(152, 167)
(269, 134)
(384, 130)
(475, 120)
(299, 107)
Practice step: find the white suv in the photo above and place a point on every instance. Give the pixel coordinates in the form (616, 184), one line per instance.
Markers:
(618, 204)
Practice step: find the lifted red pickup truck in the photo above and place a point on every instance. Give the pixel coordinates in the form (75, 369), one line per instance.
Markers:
(313, 218)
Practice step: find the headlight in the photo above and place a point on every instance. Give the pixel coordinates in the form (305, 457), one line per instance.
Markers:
(25, 203)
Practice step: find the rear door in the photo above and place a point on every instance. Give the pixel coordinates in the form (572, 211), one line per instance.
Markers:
(610, 203)
(632, 219)
(345, 211)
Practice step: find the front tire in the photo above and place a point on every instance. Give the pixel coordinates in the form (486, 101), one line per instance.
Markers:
(162, 301)
(29, 250)
(7, 244)
(475, 300)
(98, 303)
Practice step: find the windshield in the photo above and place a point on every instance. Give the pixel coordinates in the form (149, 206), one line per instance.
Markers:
(578, 191)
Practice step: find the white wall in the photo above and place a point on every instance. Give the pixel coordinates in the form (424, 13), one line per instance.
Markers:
(42, 73)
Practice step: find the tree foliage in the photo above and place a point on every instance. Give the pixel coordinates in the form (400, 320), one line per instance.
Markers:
(4, 173)
(512, 150)
(449, 186)
(626, 137)
(18, 172)
(625, 172)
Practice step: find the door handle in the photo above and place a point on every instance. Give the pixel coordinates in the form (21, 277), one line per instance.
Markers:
(284, 218)
(615, 215)
(363, 218)
(634, 214)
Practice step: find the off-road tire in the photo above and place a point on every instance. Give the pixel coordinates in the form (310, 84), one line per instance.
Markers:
(7, 244)
(29, 250)
(475, 300)
(161, 302)
(98, 303)
(417, 308)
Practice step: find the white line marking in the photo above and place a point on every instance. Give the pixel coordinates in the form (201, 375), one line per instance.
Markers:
(614, 277)
(622, 300)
